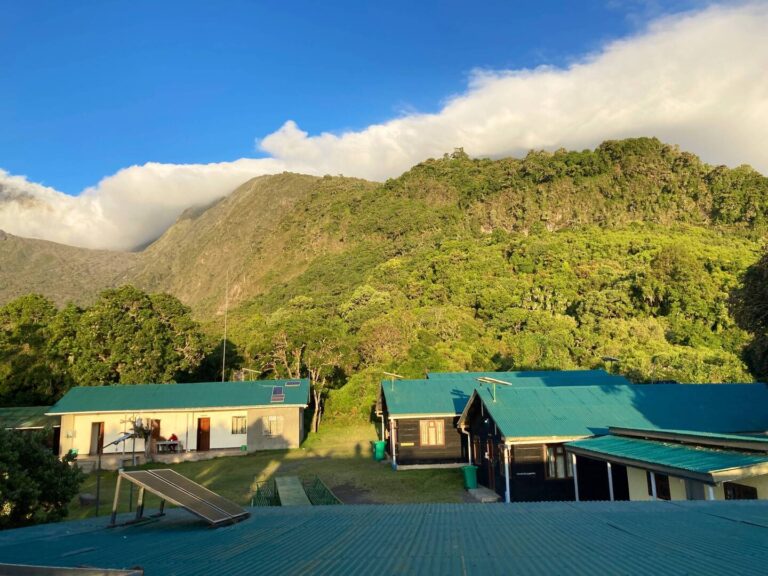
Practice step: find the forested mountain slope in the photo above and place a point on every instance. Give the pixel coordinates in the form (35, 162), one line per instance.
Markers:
(62, 273)
(255, 236)
(632, 251)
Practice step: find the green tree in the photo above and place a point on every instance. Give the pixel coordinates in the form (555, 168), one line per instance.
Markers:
(302, 340)
(130, 337)
(35, 486)
(749, 303)
(31, 369)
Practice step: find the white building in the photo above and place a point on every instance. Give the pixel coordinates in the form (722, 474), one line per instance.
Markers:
(214, 416)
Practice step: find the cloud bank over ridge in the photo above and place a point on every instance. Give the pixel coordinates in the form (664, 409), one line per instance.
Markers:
(697, 80)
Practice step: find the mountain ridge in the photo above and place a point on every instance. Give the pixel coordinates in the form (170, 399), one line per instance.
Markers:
(274, 228)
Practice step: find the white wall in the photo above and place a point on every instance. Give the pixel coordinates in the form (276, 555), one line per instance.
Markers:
(638, 489)
(638, 485)
(76, 429)
(759, 482)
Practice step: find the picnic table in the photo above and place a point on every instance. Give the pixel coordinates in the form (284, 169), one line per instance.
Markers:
(168, 445)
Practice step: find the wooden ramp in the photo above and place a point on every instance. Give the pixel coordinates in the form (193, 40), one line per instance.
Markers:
(291, 492)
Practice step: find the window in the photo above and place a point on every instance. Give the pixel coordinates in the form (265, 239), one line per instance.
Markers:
(272, 425)
(238, 425)
(662, 486)
(558, 463)
(735, 491)
(432, 432)
(529, 454)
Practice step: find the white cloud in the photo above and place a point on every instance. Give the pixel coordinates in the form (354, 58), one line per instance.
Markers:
(697, 80)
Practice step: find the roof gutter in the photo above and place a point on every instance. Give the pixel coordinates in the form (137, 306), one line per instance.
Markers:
(704, 477)
(186, 409)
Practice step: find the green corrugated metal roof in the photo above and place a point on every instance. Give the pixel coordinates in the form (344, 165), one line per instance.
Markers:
(179, 396)
(536, 378)
(426, 396)
(703, 538)
(709, 435)
(590, 410)
(671, 455)
(448, 392)
(26, 417)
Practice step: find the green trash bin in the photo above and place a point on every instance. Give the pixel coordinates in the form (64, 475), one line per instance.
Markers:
(470, 476)
(378, 450)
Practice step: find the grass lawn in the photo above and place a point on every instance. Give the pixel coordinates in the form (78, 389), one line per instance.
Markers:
(339, 455)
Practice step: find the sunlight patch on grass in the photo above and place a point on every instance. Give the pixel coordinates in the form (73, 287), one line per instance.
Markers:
(339, 455)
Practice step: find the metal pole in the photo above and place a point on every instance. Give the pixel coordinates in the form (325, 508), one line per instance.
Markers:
(98, 483)
(140, 504)
(224, 344)
(117, 498)
(469, 448)
(506, 475)
(610, 481)
(393, 438)
(133, 464)
(575, 476)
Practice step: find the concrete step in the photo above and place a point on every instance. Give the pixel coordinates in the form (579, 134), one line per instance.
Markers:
(484, 495)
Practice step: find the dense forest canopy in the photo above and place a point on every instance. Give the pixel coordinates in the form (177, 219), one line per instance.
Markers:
(634, 251)
(125, 337)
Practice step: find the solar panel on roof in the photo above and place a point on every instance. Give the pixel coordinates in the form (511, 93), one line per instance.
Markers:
(293, 384)
(200, 491)
(277, 394)
(176, 489)
(177, 496)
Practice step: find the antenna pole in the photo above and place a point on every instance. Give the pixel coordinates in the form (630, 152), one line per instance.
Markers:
(224, 347)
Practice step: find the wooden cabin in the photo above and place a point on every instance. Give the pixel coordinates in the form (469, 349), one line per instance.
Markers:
(419, 417)
(418, 420)
(518, 436)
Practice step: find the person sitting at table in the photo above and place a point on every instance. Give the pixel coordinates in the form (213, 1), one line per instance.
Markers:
(173, 438)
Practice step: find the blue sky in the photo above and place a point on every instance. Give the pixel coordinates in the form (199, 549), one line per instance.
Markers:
(89, 88)
(117, 116)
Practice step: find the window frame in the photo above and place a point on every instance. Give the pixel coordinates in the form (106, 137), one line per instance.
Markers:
(663, 489)
(736, 491)
(242, 424)
(266, 428)
(439, 433)
(551, 453)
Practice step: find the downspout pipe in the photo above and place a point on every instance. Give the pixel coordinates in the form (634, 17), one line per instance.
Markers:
(507, 495)
(393, 439)
(469, 444)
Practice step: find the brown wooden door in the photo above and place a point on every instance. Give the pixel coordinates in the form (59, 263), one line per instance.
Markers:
(97, 437)
(203, 434)
(490, 462)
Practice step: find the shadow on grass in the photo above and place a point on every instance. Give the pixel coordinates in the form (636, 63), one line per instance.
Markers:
(339, 455)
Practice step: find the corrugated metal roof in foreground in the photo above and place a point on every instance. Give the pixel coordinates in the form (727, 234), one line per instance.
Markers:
(691, 458)
(19, 417)
(532, 538)
(179, 396)
(590, 410)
